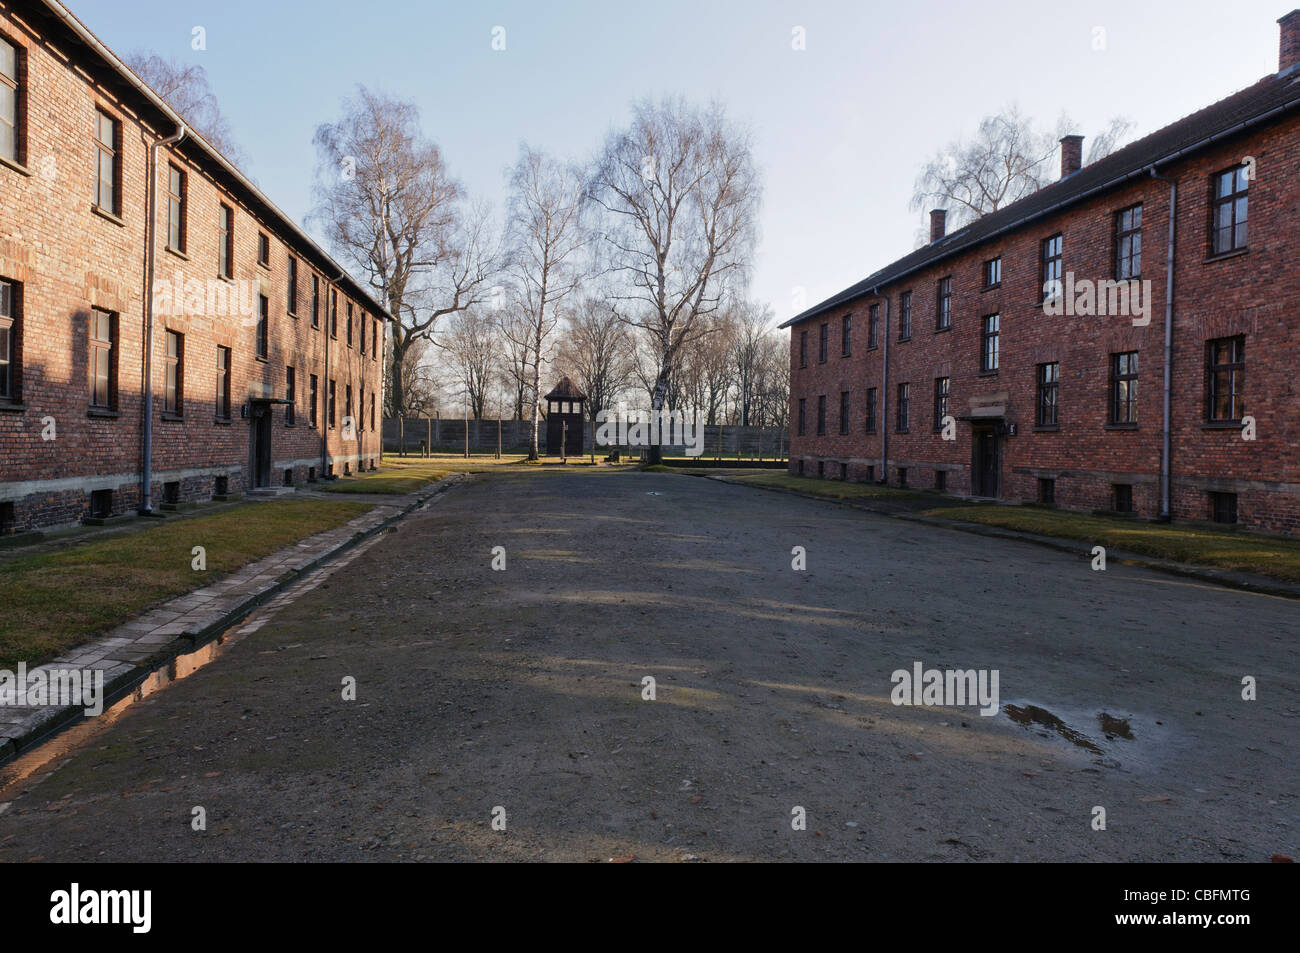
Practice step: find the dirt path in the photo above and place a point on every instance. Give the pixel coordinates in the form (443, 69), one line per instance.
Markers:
(522, 689)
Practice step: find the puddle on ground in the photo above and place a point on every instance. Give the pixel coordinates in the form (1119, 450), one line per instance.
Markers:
(1028, 715)
(1114, 727)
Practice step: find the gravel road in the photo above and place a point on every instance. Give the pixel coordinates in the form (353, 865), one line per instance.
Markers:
(517, 696)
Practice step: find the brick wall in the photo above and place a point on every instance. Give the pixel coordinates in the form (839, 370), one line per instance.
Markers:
(68, 259)
(1254, 294)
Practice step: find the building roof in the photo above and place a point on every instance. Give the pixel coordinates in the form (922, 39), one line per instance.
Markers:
(124, 81)
(1259, 103)
(566, 390)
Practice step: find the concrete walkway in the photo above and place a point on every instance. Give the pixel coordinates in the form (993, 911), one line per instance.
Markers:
(127, 654)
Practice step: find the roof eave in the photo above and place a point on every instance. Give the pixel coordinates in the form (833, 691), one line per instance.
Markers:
(115, 63)
(884, 278)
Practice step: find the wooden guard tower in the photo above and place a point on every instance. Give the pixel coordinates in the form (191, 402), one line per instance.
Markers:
(565, 406)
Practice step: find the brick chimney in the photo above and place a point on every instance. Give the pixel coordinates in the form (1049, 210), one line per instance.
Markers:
(1071, 155)
(938, 217)
(1289, 54)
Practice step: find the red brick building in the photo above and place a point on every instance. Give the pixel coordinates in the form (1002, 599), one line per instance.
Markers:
(140, 269)
(1076, 348)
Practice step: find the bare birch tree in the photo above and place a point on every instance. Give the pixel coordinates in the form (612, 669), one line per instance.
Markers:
(680, 193)
(471, 344)
(185, 88)
(753, 323)
(1008, 158)
(390, 208)
(597, 349)
(512, 338)
(546, 242)
(705, 377)
(1105, 143)
(774, 380)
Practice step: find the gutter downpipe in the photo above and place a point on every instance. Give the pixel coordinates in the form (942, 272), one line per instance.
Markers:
(884, 394)
(151, 241)
(331, 317)
(1166, 447)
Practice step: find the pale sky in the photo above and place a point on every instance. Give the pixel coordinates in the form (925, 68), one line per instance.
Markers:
(841, 127)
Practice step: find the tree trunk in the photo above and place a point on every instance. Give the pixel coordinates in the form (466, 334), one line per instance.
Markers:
(537, 406)
(656, 454)
(537, 393)
(397, 391)
(537, 361)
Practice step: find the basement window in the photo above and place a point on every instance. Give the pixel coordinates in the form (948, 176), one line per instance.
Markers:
(1046, 490)
(220, 486)
(171, 492)
(6, 519)
(801, 468)
(1223, 507)
(1122, 497)
(311, 474)
(941, 480)
(288, 476)
(844, 471)
(821, 469)
(902, 476)
(101, 503)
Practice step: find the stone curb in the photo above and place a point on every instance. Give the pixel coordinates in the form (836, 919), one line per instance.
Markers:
(123, 679)
(1226, 578)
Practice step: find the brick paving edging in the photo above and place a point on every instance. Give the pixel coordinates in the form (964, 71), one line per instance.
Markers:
(1248, 582)
(133, 651)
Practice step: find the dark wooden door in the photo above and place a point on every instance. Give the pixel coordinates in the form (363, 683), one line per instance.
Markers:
(261, 445)
(554, 432)
(573, 435)
(985, 464)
